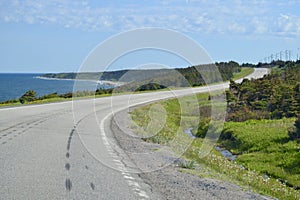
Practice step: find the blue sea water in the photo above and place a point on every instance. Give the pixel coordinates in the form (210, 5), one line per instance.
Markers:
(13, 86)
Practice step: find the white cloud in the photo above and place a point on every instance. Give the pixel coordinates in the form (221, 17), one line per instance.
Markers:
(259, 26)
(287, 24)
(237, 28)
(231, 17)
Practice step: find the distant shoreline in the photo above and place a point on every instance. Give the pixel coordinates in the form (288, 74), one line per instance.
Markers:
(112, 83)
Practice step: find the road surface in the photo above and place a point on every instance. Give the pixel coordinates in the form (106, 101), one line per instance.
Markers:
(62, 150)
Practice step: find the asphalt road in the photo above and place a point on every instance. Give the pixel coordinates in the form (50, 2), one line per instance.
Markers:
(64, 150)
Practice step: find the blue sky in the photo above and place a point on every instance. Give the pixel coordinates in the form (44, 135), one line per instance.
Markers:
(57, 35)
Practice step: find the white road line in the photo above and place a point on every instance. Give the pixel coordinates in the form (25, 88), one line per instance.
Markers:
(121, 167)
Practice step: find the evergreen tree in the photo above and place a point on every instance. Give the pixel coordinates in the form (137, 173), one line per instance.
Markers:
(294, 133)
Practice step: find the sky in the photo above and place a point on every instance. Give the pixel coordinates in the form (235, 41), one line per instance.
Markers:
(57, 35)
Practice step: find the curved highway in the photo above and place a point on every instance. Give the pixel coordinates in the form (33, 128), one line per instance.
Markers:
(43, 156)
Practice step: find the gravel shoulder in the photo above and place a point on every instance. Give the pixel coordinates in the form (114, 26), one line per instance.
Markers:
(158, 168)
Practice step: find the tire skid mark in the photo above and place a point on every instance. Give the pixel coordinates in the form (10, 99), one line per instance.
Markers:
(92, 186)
(23, 127)
(11, 127)
(67, 166)
(70, 139)
(68, 184)
(17, 131)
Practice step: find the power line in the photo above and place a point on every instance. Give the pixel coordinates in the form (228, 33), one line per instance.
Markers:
(284, 55)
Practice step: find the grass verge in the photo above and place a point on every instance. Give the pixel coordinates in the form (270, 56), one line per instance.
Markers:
(268, 162)
(245, 71)
(50, 100)
(264, 146)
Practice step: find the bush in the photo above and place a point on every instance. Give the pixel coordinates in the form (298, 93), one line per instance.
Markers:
(203, 127)
(187, 164)
(66, 95)
(10, 101)
(151, 86)
(49, 96)
(294, 132)
(101, 91)
(29, 96)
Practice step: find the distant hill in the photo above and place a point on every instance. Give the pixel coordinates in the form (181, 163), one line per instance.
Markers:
(180, 77)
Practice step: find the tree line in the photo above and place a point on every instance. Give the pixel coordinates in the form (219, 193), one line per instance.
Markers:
(275, 96)
(169, 77)
(141, 80)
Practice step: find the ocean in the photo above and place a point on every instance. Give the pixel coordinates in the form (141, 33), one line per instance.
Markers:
(13, 86)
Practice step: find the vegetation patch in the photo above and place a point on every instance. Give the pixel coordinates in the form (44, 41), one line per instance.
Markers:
(275, 96)
(267, 147)
(180, 77)
(187, 164)
(267, 162)
(264, 146)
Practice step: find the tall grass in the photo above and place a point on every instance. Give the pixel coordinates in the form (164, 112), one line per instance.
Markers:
(268, 162)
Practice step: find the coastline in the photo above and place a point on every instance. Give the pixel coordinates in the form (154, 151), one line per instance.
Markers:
(104, 82)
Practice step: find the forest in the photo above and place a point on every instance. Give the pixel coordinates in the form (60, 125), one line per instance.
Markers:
(263, 123)
(275, 96)
(178, 77)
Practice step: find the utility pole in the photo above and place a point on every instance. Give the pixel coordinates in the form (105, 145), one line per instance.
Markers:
(286, 55)
(280, 55)
(272, 58)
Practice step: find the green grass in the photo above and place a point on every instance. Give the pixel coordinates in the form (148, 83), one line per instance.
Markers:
(51, 100)
(263, 146)
(187, 164)
(218, 167)
(174, 109)
(245, 71)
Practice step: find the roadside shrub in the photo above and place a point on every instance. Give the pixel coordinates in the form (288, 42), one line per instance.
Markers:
(294, 132)
(66, 95)
(203, 128)
(10, 101)
(29, 96)
(49, 96)
(187, 164)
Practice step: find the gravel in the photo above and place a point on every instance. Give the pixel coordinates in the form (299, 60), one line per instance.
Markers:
(158, 167)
